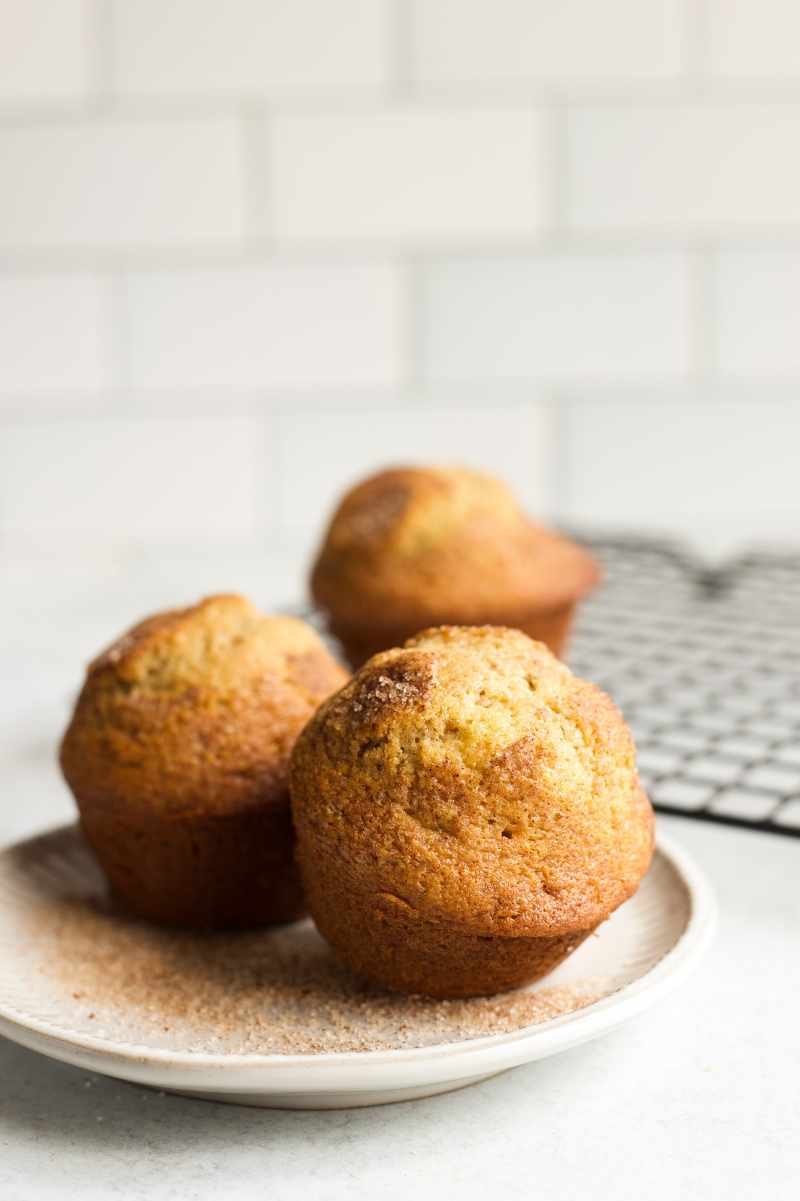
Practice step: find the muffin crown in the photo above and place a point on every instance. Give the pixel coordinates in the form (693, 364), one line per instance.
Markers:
(219, 644)
(196, 709)
(421, 543)
(472, 777)
(412, 509)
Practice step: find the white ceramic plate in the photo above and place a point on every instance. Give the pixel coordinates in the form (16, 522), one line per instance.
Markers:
(641, 952)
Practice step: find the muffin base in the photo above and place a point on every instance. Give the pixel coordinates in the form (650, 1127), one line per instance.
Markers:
(200, 871)
(384, 940)
(359, 644)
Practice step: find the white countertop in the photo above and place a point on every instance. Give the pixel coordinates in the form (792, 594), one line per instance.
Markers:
(700, 1098)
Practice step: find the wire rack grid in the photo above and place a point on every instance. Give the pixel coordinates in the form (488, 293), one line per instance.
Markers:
(705, 665)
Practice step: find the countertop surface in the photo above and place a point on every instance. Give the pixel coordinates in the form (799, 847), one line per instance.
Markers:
(699, 1098)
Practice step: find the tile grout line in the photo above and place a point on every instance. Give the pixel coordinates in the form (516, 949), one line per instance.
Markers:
(66, 259)
(733, 93)
(30, 407)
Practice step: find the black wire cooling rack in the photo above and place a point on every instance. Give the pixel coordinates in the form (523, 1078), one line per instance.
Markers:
(705, 665)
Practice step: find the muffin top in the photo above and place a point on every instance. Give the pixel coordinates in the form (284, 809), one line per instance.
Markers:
(424, 545)
(197, 709)
(471, 777)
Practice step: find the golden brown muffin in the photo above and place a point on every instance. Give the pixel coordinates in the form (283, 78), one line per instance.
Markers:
(415, 547)
(467, 812)
(177, 754)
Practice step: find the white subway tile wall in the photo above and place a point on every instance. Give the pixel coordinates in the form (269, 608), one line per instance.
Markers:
(154, 479)
(708, 167)
(45, 51)
(249, 251)
(303, 325)
(54, 333)
(563, 315)
(755, 39)
(205, 48)
(123, 184)
(736, 460)
(757, 298)
(529, 41)
(408, 176)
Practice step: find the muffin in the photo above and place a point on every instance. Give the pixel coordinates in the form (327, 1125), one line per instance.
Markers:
(467, 813)
(415, 547)
(177, 755)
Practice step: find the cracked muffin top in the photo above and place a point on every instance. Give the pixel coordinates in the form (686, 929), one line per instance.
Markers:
(433, 544)
(471, 777)
(197, 709)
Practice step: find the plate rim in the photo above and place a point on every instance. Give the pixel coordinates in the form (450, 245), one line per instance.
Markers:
(545, 1037)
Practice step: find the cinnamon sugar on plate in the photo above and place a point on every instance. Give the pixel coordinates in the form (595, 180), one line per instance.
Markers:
(264, 992)
(276, 991)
